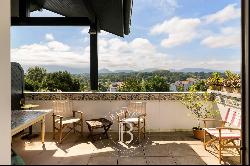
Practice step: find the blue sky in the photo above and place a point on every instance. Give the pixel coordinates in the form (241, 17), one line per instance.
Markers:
(165, 34)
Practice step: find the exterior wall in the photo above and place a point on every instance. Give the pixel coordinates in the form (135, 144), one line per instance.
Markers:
(5, 72)
(164, 110)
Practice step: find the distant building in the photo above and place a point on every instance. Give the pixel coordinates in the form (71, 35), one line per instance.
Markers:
(185, 84)
(114, 86)
(172, 88)
(113, 89)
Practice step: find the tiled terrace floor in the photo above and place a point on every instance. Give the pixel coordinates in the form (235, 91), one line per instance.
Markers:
(170, 148)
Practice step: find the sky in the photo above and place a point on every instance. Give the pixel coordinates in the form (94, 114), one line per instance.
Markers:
(165, 34)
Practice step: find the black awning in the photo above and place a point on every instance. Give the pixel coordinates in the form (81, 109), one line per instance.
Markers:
(113, 16)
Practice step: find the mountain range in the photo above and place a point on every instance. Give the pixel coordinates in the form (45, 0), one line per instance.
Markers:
(105, 70)
(184, 70)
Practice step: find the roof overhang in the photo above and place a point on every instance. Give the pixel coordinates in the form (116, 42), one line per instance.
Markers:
(113, 16)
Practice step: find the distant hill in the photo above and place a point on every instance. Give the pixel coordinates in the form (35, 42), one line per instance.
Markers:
(55, 68)
(104, 70)
(192, 70)
(123, 71)
(149, 70)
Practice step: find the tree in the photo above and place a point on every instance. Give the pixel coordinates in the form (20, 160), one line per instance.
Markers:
(214, 81)
(143, 86)
(83, 80)
(131, 85)
(34, 77)
(156, 84)
(202, 106)
(180, 88)
(29, 85)
(61, 80)
(104, 85)
(199, 86)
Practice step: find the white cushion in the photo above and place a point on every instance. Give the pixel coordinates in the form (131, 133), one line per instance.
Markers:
(132, 120)
(68, 120)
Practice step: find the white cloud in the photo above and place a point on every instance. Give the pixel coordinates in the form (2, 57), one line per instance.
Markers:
(228, 37)
(49, 37)
(114, 54)
(179, 31)
(137, 54)
(43, 54)
(163, 6)
(58, 46)
(51, 44)
(233, 64)
(230, 12)
(227, 64)
(85, 30)
(105, 34)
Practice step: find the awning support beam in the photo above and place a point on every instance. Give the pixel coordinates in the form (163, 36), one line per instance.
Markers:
(93, 57)
(24, 10)
(50, 21)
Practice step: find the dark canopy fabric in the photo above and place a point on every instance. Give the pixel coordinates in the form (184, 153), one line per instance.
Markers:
(113, 16)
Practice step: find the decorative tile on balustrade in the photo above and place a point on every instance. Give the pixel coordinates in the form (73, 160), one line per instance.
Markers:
(228, 100)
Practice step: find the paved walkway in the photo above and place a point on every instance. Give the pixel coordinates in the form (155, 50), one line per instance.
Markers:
(172, 148)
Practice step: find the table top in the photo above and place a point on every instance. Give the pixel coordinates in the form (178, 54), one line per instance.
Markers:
(99, 122)
(22, 117)
(28, 106)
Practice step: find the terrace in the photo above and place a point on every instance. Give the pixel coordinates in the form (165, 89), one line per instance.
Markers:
(167, 141)
(169, 138)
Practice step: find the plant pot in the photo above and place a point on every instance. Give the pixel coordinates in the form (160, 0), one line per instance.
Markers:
(219, 87)
(216, 87)
(236, 90)
(198, 134)
(213, 87)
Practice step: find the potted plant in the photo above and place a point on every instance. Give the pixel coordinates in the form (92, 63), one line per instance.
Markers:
(236, 83)
(227, 86)
(201, 106)
(232, 82)
(215, 82)
(237, 86)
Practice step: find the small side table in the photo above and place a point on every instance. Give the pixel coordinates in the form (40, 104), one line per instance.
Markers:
(98, 123)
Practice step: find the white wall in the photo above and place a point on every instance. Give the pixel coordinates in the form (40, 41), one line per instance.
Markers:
(161, 115)
(5, 99)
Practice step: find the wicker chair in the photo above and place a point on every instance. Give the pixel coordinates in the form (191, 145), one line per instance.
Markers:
(61, 122)
(135, 114)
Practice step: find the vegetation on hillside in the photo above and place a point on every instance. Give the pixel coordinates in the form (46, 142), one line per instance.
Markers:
(38, 79)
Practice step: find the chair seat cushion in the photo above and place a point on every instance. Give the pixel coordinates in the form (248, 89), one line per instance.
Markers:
(68, 120)
(132, 120)
(225, 133)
